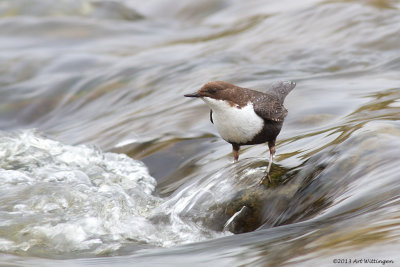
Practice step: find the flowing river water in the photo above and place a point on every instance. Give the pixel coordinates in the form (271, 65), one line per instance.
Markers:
(104, 162)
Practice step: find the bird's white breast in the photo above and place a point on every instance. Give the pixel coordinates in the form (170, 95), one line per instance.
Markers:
(234, 124)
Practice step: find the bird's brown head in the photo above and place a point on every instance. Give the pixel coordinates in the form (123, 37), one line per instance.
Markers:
(216, 90)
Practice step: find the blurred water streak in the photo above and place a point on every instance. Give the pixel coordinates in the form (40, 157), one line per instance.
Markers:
(113, 73)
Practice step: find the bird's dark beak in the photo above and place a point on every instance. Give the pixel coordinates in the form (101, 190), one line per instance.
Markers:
(192, 95)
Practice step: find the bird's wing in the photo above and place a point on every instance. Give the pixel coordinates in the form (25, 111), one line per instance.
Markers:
(211, 116)
(269, 107)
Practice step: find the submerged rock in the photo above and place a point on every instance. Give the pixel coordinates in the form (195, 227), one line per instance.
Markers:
(232, 199)
(311, 188)
(259, 204)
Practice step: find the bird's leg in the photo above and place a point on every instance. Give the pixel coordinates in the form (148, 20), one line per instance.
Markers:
(271, 146)
(271, 158)
(235, 150)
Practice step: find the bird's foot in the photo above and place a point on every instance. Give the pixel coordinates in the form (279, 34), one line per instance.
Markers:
(266, 177)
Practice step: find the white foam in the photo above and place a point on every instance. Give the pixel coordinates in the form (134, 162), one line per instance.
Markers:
(71, 198)
(58, 199)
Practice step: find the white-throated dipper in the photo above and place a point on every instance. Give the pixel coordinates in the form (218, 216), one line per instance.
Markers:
(246, 117)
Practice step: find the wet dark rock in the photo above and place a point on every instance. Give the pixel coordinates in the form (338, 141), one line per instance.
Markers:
(304, 192)
(251, 204)
(259, 204)
(231, 198)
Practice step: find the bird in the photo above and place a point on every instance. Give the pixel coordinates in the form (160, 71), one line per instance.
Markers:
(245, 116)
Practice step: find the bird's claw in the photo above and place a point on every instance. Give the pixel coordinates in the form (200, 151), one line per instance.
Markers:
(266, 176)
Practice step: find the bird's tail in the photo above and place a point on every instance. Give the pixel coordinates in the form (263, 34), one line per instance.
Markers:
(282, 88)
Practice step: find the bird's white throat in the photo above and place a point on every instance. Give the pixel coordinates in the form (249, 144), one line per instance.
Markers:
(234, 124)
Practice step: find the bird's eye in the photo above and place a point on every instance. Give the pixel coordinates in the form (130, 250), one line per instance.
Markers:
(212, 90)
